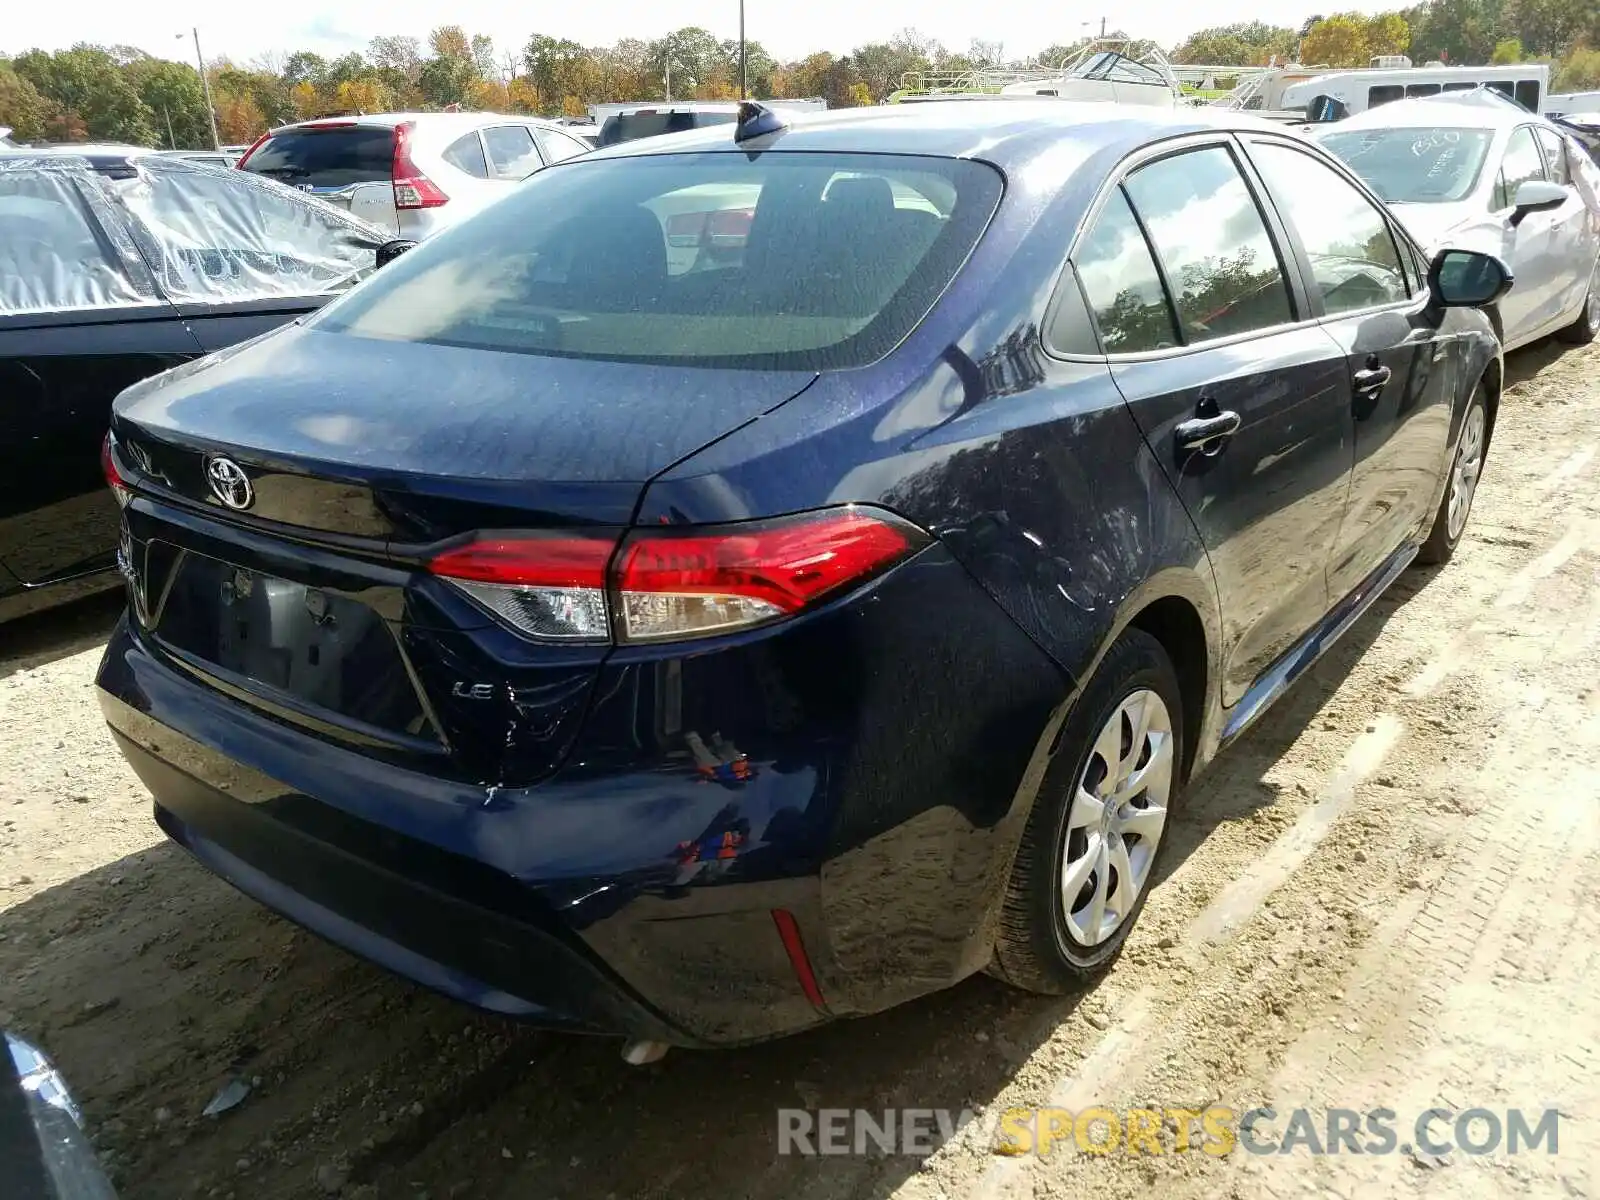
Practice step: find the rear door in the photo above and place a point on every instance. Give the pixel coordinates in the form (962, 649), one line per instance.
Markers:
(239, 255)
(1240, 395)
(1527, 244)
(1400, 369)
(1571, 242)
(79, 321)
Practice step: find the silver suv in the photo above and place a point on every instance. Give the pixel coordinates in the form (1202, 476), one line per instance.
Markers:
(412, 173)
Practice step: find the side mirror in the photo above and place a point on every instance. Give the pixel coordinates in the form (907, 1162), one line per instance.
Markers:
(1467, 279)
(390, 251)
(1536, 195)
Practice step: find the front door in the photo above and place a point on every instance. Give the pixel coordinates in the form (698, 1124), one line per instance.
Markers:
(1398, 370)
(1240, 398)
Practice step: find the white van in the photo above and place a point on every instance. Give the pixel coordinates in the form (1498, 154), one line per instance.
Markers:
(1340, 94)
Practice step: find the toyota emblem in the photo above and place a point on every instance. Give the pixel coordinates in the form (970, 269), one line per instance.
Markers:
(229, 483)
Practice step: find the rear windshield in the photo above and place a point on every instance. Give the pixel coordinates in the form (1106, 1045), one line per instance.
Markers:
(1414, 165)
(781, 261)
(334, 157)
(630, 127)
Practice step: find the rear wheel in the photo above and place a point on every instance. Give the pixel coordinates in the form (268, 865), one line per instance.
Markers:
(1465, 470)
(1587, 327)
(1092, 842)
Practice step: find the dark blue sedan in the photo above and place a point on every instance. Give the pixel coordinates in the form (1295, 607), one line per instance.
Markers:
(764, 575)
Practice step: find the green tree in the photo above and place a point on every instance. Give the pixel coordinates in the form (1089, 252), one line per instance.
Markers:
(86, 83)
(1551, 26)
(1247, 43)
(22, 107)
(1508, 51)
(172, 93)
(1579, 72)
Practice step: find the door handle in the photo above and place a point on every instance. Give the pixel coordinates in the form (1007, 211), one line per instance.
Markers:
(1206, 435)
(1371, 380)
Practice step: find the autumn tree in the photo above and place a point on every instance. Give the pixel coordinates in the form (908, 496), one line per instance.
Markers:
(1338, 41)
(86, 86)
(1388, 33)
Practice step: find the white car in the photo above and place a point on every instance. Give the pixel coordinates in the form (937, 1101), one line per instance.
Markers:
(410, 173)
(1496, 179)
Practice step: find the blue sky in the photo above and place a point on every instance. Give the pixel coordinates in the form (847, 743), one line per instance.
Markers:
(789, 29)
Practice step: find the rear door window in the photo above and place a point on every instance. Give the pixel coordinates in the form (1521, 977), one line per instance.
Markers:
(512, 154)
(466, 154)
(55, 256)
(330, 156)
(1122, 283)
(1522, 162)
(219, 236)
(1212, 243)
(1555, 156)
(776, 261)
(1354, 262)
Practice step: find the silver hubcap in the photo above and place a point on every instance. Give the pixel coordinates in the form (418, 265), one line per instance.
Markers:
(1119, 811)
(1464, 480)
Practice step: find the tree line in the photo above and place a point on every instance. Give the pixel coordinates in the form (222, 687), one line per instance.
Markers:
(119, 93)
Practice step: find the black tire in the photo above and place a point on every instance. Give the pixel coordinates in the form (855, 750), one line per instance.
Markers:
(1035, 949)
(1587, 327)
(1441, 544)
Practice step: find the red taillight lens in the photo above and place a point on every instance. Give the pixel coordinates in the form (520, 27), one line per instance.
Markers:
(671, 584)
(114, 479)
(412, 189)
(551, 588)
(666, 584)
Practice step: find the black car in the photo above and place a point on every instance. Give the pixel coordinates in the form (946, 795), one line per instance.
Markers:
(114, 265)
(45, 1154)
(763, 578)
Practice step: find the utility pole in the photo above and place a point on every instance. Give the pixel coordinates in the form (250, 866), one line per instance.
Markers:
(744, 86)
(669, 75)
(205, 87)
(172, 142)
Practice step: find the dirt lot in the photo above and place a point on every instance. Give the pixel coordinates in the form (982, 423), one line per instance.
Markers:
(1385, 896)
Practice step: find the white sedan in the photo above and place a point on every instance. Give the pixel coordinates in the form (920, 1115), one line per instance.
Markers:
(1497, 179)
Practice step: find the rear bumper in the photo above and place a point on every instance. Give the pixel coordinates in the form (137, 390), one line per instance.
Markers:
(865, 770)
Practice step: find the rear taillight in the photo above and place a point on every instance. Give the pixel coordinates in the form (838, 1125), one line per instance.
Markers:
(412, 189)
(663, 584)
(114, 479)
(551, 588)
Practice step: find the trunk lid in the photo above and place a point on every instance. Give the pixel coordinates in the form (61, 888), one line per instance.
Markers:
(302, 592)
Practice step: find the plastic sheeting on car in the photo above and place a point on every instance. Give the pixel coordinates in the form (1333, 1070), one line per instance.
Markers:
(61, 248)
(214, 235)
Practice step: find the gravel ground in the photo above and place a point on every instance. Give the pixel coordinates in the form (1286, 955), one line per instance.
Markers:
(1385, 895)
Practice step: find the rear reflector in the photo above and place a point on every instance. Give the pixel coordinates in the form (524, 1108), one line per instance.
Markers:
(799, 960)
(665, 584)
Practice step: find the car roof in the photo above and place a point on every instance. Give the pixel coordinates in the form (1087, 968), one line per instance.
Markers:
(1005, 131)
(463, 120)
(1439, 112)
